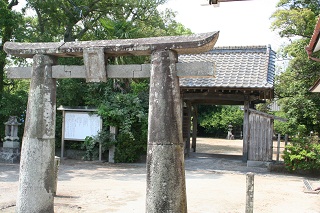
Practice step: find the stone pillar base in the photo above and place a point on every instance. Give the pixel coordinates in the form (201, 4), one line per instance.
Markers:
(9, 155)
(11, 144)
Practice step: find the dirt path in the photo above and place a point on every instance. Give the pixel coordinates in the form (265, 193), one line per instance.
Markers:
(215, 183)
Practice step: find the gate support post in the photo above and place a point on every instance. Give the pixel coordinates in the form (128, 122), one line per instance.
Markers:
(194, 127)
(166, 190)
(246, 131)
(36, 184)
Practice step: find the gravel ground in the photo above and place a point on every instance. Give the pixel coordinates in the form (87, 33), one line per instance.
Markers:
(215, 181)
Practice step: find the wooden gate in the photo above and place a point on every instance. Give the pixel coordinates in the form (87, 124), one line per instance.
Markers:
(260, 136)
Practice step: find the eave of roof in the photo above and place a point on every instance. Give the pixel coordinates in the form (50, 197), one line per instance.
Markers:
(244, 67)
(314, 44)
(315, 87)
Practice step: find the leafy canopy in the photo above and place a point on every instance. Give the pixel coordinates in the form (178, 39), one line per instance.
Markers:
(295, 19)
(121, 102)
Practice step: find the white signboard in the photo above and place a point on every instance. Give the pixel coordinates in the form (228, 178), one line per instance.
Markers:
(79, 125)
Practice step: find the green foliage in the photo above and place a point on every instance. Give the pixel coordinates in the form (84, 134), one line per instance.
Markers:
(296, 19)
(130, 149)
(299, 105)
(91, 19)
(14, 103)
(129, 113)
(122, 103)
(91, 144)
(215, 119)
(10, 21)
(303, 154)
(71, 92)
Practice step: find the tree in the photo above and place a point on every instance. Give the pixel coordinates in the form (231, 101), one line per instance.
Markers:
(216, 119)
(71, 20)
(295, 19)
(10, 23)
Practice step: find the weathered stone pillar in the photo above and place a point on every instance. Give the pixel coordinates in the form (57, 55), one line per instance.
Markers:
(166, 190)
(249, 192)
(112, 149)
(36, 181)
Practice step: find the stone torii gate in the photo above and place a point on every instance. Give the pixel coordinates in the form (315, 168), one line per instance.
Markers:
(166, 191)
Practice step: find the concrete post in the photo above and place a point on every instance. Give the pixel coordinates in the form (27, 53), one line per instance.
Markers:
(249, 192)
(36, 180)
(166, 190)
(56, 172)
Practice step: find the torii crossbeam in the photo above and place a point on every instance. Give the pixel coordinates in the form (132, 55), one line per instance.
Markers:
(166, 191)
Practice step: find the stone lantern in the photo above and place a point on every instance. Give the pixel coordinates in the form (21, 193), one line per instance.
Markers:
(11, 139)
(230, 135)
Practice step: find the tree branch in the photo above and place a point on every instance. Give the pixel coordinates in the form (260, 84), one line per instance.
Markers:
(12, 3)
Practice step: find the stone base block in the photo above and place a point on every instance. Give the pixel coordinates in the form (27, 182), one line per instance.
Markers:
(9, 155)
(11, 144)
(251, 163)
(166, 190)
(111, 154)
(71, 154)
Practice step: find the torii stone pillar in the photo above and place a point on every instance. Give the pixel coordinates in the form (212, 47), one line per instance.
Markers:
(166, 190)
(37, 155)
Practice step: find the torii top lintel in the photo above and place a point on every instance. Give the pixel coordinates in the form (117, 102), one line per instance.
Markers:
(187, 44)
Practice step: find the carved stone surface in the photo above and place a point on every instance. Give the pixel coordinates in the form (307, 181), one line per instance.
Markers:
(188, 44)
(185, 70)
(36, 179)
(166, 191)
(95, 64)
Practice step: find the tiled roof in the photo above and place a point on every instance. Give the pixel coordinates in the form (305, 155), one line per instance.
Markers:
(246, 67)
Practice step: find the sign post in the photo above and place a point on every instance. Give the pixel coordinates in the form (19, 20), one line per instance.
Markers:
(78, 123)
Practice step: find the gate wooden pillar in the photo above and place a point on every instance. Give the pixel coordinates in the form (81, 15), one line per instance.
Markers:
(186, 127)
(194, 127)
(246, 130)
(36, 180)
(166, 190)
